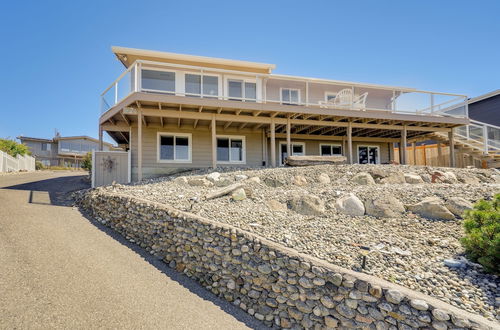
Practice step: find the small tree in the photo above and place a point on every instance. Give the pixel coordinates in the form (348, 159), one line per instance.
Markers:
(482, 239)
(13, 148)
(87, 162)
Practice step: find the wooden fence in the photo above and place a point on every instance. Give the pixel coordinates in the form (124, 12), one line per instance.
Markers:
(15, 164)
(429, 155)
(109, 167)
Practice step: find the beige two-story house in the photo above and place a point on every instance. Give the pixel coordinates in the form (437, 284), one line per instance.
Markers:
(182, 111)
(67, 151)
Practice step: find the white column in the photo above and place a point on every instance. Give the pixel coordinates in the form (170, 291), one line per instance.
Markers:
(139, 145)
(273, 143)
(214, 142)
(350, 159)
(402, 147)
(288, 138)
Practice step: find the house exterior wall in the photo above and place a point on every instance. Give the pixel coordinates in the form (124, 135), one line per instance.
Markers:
(201, 153)
(486, 111)
(312, 148)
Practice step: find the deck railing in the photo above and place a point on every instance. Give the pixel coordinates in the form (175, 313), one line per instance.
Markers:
(480, 135)
(379, 98)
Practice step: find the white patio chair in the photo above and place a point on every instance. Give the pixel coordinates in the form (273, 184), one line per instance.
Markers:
(359, 102)
(342, 99)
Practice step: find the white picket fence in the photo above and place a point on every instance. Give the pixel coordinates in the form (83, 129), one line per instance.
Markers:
(15, 164)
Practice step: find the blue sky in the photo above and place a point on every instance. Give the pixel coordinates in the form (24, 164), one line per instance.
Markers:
(56, 57)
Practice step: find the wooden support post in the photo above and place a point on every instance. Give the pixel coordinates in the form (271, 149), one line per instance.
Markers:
(440, 155)
(214, 142)
(402, 147)
(100, 138)
(425, 154)
(273, 144)
(264, 148)
(414, 149)
(391, 151)
(451, 138)
(349, 144)
(288, 138)
(139, 145)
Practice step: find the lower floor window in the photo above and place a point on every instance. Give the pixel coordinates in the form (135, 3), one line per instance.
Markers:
(330, 149)
(368, 155)
(230, 149)
(174, 147)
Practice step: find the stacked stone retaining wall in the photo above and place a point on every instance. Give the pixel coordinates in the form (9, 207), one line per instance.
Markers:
(275, 284)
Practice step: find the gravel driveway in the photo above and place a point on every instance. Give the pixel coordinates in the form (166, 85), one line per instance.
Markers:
(61, 270)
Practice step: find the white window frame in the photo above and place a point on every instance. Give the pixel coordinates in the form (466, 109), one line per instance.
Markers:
(182, 161)
(332, 145)
(368, 146)
(303, 144)
(176, 76)
(291, 89)
(245, 80)
(244, 146)
(219, 82)
(330, 94)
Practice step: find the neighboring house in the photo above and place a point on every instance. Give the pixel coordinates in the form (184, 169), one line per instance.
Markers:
(62, 151)
(177, 111)
(486, 108)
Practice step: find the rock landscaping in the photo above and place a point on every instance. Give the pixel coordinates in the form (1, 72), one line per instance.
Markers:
(405, 219)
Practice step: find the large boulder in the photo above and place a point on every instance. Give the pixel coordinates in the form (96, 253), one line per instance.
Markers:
(458, 205)
(394, 178)
(444, 177)
(324, 178)
(363, 178)
(413, 178)
(214, 176)
(199, 182)
(432, 208)
(384, 207)
(350, 204)
(276, 206)
(299, 180)
(274, 182)
(307, 205)
(468, 178)
(378, 172)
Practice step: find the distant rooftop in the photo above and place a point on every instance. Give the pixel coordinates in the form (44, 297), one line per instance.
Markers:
(84, 137)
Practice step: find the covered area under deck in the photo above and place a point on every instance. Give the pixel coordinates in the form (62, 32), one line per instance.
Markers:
(276, 124)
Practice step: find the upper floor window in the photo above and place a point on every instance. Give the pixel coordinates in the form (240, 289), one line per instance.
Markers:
(194, 85)
(329, 97)
(158, 81)
(242, 90)
(290, 96)
(45, 146)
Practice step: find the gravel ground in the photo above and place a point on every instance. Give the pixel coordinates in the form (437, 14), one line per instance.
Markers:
(408, 250)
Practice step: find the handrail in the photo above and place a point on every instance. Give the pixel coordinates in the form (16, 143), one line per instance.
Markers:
(119, 77)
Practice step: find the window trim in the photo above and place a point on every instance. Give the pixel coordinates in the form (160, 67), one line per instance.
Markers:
(244, 80)
(377, 161)
(331, 145)
(291, 89)
(177, 161)
(202, 95)
(330, 94)
(303, 144)
(175, 72)
(243, 139)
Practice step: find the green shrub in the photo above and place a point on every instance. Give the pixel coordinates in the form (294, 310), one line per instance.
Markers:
(13, 148)
(87, 162)
(39, 165)
(482, 239)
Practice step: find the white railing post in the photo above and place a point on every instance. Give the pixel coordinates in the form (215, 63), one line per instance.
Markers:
(485, 138)
(393, 103)
(307, 93)
(116, 92)
(432, 103)
(201, 83)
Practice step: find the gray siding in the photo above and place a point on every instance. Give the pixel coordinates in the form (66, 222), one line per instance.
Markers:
(487, 110)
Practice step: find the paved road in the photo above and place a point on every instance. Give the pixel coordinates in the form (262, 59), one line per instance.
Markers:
(59, 269)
